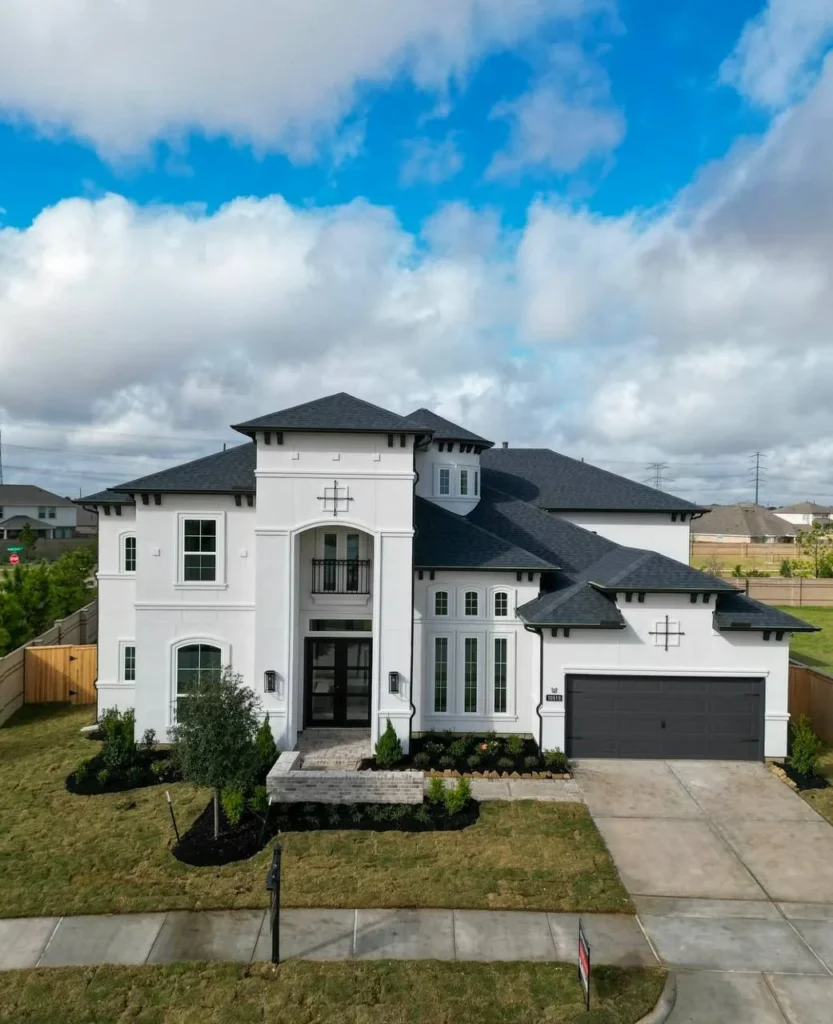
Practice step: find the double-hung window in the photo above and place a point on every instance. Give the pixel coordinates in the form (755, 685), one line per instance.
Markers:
(471, 603)
(130, 553)
(129, 670)
(441, 602)
(464, 482)
(195, 664)
(444, 481)
(199, 560)
(501, 604)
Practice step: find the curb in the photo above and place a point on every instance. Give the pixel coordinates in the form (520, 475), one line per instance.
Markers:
(665, 1004)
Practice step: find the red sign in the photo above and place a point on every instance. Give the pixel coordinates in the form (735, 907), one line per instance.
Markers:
(14, 559)
(584, 962)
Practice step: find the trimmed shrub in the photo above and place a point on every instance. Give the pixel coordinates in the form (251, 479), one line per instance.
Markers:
(103, 777)
(267, 750)
(422, 759)
(447, 761)
(556, 761)
(434, 750)
(234, 804)
(81, 770)
(119, 752)
(506, 763)
(436, 790)
(515, 745)
(388, 747)
(457, 798)
(259, 800)
(459, 748)
(805, 748)
(531, 763)
(474, 761)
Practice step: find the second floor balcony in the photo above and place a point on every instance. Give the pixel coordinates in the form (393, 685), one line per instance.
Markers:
(341, 575)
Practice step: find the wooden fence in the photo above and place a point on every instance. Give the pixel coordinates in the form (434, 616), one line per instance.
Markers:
(780, 590)
(78, 629)
(703, 550)
(811, 694)
(65, 673)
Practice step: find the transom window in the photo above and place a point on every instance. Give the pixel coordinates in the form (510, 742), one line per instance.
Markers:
(441, 603)
(195, 664)
(130, 664)
(500, 667)
(441, 674)
(200, 550)
(445, 481)
(472, 602)
(129, 554)
(470, 675)
(501, 604)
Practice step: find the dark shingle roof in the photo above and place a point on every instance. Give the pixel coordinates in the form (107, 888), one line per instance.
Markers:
(806, 506)
(444, 430)
(18, 522)
(636, 569)
(29, 494)
(738, 612)
(557, 482)
(106, 497)
(221, 473)
(743, 521)
(341, 412)
(575, 605)
(444, 540)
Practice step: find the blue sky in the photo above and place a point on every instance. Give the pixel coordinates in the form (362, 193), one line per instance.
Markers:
(597, 225)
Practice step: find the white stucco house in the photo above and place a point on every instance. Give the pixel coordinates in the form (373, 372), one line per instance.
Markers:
(355, 565)
(804, 513)
(48, 514)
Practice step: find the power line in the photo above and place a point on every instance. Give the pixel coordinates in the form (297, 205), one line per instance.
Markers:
(658, 469)
(757, 472)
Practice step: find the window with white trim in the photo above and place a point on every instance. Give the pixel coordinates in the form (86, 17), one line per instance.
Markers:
(129, 556)
(440, 674)
(472, 603)
(470, 675)
(500, 668)
(199, 547)
(441, 602)
(129, 663)
(195, 664)
(475, 488)
(444, 481)
(464, 482)
(501, 604)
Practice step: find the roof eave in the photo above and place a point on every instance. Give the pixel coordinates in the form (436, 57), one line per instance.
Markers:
(737, 627)
(250, 431)
(693, 509)
(484, 568)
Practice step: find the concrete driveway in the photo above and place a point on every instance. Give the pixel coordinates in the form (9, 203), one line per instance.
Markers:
(732, 877)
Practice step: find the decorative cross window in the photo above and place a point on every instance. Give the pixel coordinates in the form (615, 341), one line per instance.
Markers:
(336, 499)
(667, 633)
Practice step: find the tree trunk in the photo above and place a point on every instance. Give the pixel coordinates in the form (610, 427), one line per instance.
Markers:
(216, 813)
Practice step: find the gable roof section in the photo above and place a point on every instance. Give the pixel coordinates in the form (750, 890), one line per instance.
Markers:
(806, 506)
(444, 430)
(743, 520)
(334, 413)
(636, 569)
(18, 522)
(553, 481)
(737, 612)
(577, 605)
(221, 473)
(29, 494)
(444, 540)
(106, 497)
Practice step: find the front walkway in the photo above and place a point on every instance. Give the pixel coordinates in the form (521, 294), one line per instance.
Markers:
(244, 936)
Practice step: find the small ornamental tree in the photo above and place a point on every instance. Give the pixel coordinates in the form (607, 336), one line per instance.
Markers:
(214, 738)
(388, 747)
(28, 539)
(267, 750)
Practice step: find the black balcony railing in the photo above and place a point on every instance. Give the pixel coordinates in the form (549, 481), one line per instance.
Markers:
(341, 575)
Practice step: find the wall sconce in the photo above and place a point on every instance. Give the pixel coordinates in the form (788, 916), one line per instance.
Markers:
(270, 681)
(393, 682)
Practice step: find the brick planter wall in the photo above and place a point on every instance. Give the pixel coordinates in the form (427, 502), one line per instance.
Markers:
(286, 784)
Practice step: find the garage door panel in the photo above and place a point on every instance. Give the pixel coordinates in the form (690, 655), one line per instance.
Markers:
(665, 716)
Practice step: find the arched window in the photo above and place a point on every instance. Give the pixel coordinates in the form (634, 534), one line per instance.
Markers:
(195, 663)
(441, 602)
(472, 603)
(129, 556)
(501, 604)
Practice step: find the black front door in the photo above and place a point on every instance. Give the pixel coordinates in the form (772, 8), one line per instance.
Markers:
(337, 682)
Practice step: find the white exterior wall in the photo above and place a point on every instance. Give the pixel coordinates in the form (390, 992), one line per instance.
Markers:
(429, 463)
(523, 651)
(651, 530)
(702, 651)
(290, 482)
(116, 611)
(65, 515)
(801, 518)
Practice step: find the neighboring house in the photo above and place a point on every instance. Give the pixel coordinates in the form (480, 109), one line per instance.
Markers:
(743, 523)
(804, 513)
(355, 566)
(48, 514)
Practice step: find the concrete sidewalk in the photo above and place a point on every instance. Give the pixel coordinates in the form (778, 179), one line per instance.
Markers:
(243, 936)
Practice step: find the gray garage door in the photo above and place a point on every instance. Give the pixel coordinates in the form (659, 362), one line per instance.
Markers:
(671, 716)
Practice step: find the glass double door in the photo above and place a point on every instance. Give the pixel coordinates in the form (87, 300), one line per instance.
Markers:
(337, 682)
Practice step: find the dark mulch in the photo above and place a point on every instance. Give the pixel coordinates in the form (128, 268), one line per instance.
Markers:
(142, 775)
(468, 752)
(805, 781)
(199, 848)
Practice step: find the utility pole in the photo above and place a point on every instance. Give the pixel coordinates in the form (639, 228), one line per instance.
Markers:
(658, 469)
(757, 471)
(1, 456)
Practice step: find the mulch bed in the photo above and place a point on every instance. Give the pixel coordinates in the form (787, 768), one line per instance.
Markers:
(805, 781)
(144, 775)
(468, 754)
(199, 848)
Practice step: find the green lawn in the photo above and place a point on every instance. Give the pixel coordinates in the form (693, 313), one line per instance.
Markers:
(814, 649)
(382, 992)
(67, 854)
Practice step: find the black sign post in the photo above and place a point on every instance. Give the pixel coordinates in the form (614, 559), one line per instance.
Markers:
(584, 963)
(273, 885)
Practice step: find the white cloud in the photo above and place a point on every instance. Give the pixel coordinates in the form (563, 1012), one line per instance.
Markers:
(278, 74)
(431, 161)
(566, 119)
(774, 59)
